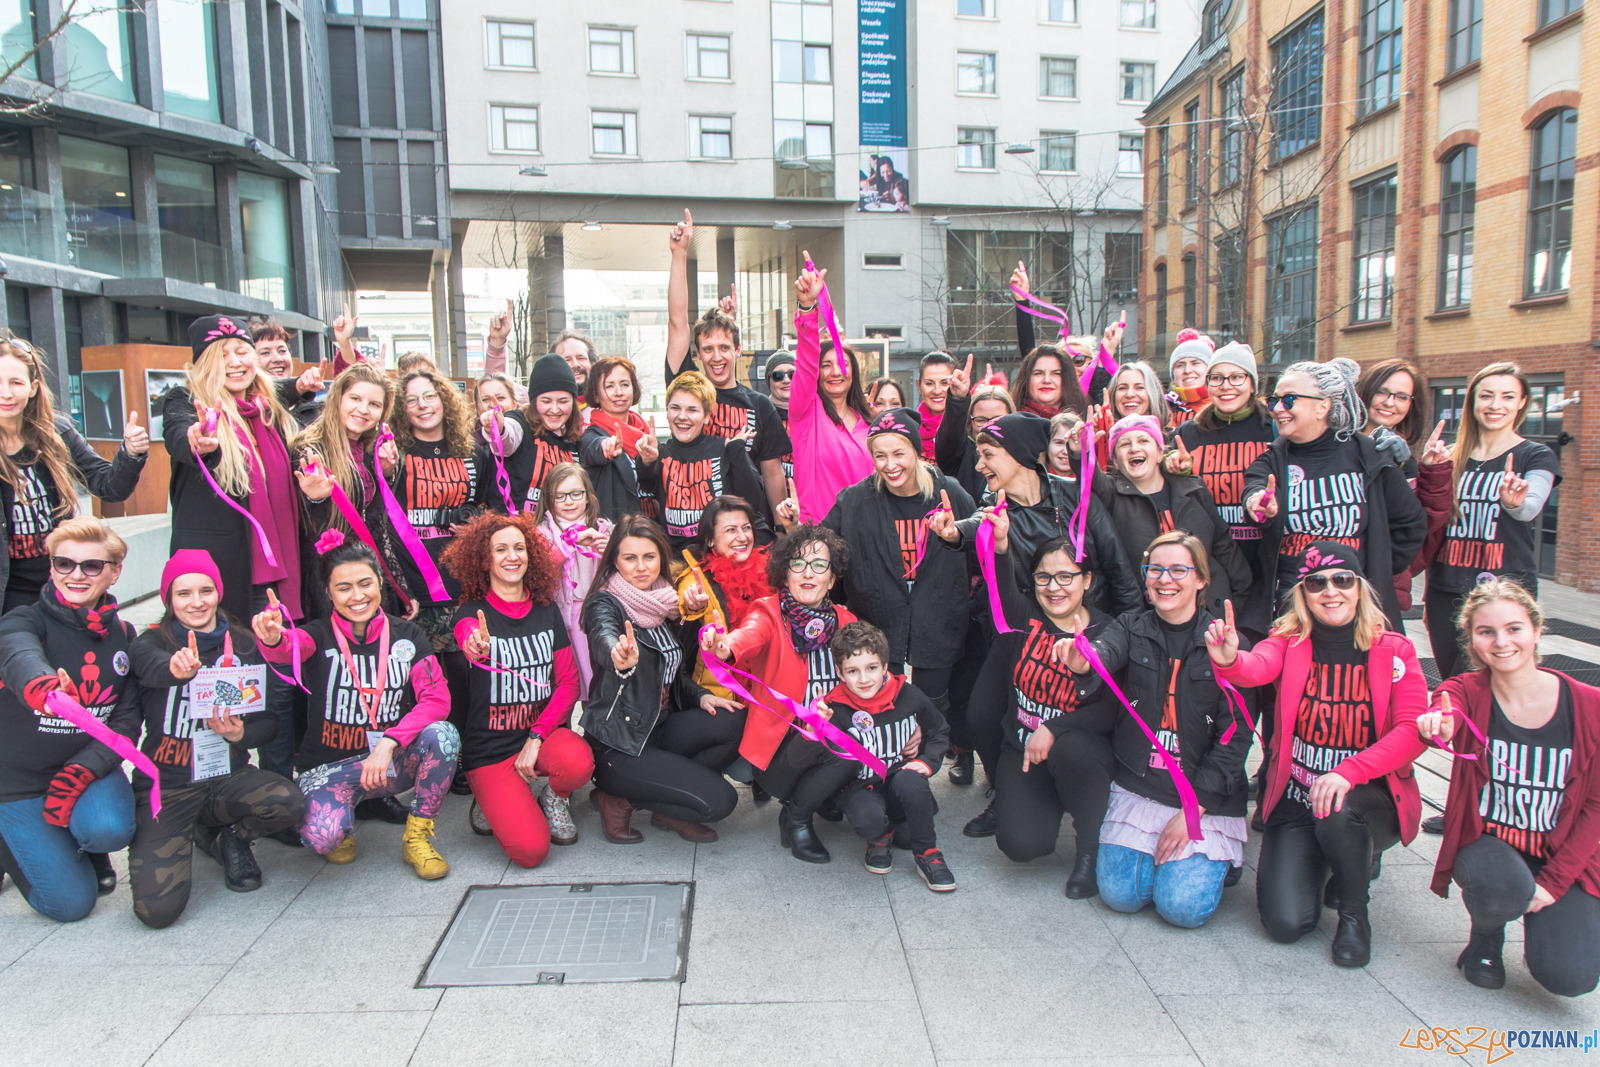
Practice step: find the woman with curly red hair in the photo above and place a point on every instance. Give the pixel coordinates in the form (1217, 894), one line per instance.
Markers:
(523, 688)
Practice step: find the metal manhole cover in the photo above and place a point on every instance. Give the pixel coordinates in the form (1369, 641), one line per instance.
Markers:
(543, 934)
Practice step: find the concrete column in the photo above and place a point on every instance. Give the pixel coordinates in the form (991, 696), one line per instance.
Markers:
(456, 331)
(725, 269)
(99, 321)
(145, 44)
(448, 356)
(50, 334)
(692, 266)
(47, 175)
(233, 65)
(553, 268)
(230, 225)
(142, 169)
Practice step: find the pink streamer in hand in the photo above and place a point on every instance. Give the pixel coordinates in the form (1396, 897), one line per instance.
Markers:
(403, 528)
(831, 321)
(208, 428)
(1467, 719)
(922, 542)
(63, 706)
(1078, 524)
(501, 478)
(984, 542)
(1236, 705)
(353, 518)
(1050, 313)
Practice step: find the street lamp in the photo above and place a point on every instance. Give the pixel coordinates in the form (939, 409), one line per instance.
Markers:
(533, 171)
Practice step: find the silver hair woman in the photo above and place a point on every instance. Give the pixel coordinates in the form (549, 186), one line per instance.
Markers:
(1335, 382)
(1136, 390)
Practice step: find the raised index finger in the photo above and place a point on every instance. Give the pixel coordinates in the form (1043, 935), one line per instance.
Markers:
(1438, 432)
(1508, 465)
(193, 648)
(1227, 611)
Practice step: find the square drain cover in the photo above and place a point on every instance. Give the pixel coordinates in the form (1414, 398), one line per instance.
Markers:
(553, 934)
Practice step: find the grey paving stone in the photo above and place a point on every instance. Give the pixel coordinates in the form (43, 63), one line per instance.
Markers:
(18, 937)
(748, 868)
(1269, 1030)
(348, 1039)
(627, 1024)
(854, 1031)
(1424, 977)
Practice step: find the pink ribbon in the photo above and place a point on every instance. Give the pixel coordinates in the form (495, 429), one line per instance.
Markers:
(501, 478)
(1236, 705)
(984, 542)
(353, 518)
(266, 546)
(402, 525)
(922, 542)
(63, 706)
(294, 652)
(1190, 803)
(1467, 719)
(1050, 312)
(569, 537)
(1078, 524)
(829, 319)
(1104, 359)
(821, 730)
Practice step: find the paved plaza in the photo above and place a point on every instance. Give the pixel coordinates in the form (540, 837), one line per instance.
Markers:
(788, 963)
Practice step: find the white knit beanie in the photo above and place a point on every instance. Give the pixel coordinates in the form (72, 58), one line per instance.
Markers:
(1239, 355)
(1191, 349)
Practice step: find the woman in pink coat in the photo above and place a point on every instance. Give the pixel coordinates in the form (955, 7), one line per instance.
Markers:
(1339, 787)
(828, 413)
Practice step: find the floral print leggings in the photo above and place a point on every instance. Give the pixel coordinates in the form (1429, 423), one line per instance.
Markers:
(333, 790)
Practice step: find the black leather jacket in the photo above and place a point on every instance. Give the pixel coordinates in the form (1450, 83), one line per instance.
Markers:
(621, 713)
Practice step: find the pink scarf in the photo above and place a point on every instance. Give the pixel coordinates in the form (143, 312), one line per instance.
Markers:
(647, 607)
(272, 504)
(930, 427)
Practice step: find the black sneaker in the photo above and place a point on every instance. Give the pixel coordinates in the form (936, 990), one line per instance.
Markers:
(240, 872)
(982, 824)
(935, 871)
(1233, 877)
(1433, 824)
(1481, 962)
(879, 859)
(384, 809)
(961, 768)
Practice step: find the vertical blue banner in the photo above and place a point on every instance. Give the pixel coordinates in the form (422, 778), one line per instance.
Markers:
(883, 72)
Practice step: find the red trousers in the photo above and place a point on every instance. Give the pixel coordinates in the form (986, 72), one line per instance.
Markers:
(508, 801)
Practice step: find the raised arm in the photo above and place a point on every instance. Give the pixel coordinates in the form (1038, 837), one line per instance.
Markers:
(678, 294)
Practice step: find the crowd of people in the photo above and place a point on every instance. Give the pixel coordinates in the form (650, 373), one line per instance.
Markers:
(1101, 589)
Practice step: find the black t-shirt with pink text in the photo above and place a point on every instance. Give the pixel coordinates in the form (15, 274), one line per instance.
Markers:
(1325, 500)
(1334, 719)
(1527, 774)
(504, 705)
(1483, 542)
(1043, 692)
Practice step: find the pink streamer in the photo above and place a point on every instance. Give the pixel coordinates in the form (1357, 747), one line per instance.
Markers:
(922, 542)
(501, 478)
(829, 319)
(1078, 524)
(1190, 802)
(402, 525)
(569, 537)
(1236, 705)
(353, 517)
(1050, 313)
(1104, 359)
(266, 546)
(294, 655)
(985, 546)
(1467, 719)
(821, 730)
(63, 706)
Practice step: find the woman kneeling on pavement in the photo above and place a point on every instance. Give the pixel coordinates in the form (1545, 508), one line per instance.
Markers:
(1521, 842)
(1339, 787)
(61, 791)
(210, 794)
(370, 734)
(524, 683)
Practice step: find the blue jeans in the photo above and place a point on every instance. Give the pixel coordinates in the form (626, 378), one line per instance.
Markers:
(1185, 891)
(276, 755)
(53, 874)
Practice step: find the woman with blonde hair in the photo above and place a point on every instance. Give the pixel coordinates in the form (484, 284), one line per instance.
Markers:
(969, 407)
(1339, 787)
(43, 462)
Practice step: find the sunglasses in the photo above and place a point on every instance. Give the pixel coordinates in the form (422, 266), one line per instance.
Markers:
(781, 376)
(90, 567)
(1287, 400)
(1342, 580)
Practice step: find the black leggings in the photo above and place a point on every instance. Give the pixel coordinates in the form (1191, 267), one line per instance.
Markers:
(963, 677)
(904, 797)
(1561, 943)
(1298, 849)
(663, 782)
(805, 774)
(710, 740)
(1028, 805)
(1440, 610)
(933, 681)
(986, 712)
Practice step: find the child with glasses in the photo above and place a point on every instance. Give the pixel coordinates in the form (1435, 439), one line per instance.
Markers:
(1339, 787)
(568, 515)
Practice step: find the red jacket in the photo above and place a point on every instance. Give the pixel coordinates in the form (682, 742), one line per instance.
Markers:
(1397, 700)
(1575, 841)
(761, 646)
(1436, 494)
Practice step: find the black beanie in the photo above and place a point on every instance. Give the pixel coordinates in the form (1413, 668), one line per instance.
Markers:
(903, 421)
(551, 374)
(778, 359)
(1326, 555)
(1022, 435)
(203, 333)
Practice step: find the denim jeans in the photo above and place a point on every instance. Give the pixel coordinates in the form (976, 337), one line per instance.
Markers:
(276, 755)
(47, 862)
(1185, 891)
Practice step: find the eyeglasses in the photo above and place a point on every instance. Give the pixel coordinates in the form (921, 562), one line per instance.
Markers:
(1286, 400)
(1316, 583)
(781, 376)
(571, 496)
(1044, 579)
(818, 566)
(1235, 380)
(90, 567)
(1390, 394)
(421, 399)
(1177, 573)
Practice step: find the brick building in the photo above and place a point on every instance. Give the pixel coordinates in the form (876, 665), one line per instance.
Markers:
(1372, 178)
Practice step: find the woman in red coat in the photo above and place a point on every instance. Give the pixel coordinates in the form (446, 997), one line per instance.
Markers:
(1522, 818)
(784, 642)
(1339, 787)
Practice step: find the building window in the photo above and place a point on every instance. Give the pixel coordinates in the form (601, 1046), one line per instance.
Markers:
(975, 72)
(975, 149)
(1458, 194)
(1550, 10)
(510, 44)
(189, 58)
(1233, 128)
(96, 182)
(811, 141)
(1163, 174)
(710, 137)
(1227, 320)
(1138, 82)
(610, 51)
(1191, 292)
(16, 37)
(186, 208)
(1124, 261)
(1292, 285)
(1139, 14)
(1059, 151)
(1058, 77)
(976, 9)
(1191, 156)
(513, 129)
(97, 53)
(1380, 55)
(1130, 153)
(708, 57)
(882, 261)
(614, 133)
(1550, 203)
(1160, 325)
(264, 224)
(818, 64)
(1058, 10)
(1211, 22)
(1297, 88)
(1372, 244)
(1464, 40)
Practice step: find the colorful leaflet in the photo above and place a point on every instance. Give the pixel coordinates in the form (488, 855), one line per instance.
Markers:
(1190, 803)
(825, 309)
(402, 525)
(1078, 524)
(63, 706)
(984, 542)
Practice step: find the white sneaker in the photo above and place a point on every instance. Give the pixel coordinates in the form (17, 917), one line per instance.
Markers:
(558, 812)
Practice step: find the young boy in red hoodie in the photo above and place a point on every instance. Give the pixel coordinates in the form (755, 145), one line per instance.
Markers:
(885, 713)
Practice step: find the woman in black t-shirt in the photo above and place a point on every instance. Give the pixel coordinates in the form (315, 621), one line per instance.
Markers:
(1502, 482)
(551, 425)
(1522, 818)
(697, 467)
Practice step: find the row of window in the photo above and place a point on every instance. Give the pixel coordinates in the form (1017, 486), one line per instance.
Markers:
(1058, 150)
(515, 128)
(1133, 14)
(976, 74)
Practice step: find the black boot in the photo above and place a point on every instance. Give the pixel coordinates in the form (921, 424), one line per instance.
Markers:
(105, 875)
(757, 794)
(1480, 962)
(1083, 883)
(384, 809)
(961, 767)
(240, 872)
(1352, 941)
(1234, 876)
(800, 838)
(982, 824)
(1434, 824)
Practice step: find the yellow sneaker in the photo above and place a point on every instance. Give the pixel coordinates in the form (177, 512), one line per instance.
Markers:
(417, 849)
(345, 853)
